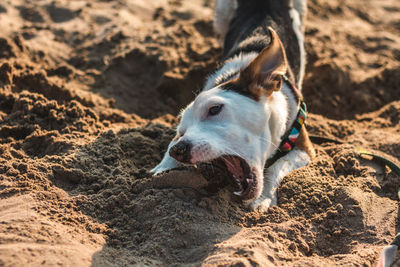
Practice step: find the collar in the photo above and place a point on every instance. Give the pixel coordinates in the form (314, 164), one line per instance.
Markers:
(289, 138)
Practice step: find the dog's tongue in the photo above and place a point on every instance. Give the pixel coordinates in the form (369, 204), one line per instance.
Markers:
(234, 167)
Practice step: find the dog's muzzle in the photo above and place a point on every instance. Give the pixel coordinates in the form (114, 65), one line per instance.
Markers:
(181, 151)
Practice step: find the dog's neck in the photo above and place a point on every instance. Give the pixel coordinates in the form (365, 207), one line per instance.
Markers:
(292, 104)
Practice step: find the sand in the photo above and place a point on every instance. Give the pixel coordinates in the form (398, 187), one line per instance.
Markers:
(89, 93)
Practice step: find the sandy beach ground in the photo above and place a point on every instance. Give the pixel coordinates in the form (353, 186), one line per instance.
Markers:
(89, 93)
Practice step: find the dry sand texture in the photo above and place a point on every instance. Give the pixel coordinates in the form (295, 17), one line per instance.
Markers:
(89, 91)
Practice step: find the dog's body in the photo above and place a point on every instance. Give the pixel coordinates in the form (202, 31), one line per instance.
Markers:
(247, 106)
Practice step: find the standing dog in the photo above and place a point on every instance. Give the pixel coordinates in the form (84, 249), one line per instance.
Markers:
(249, 116)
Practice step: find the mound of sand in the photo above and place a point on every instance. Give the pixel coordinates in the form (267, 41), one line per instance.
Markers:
(89, 91)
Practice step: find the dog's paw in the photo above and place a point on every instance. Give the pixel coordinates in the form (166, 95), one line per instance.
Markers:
(166, 164)
(157, 170)
(263, 203)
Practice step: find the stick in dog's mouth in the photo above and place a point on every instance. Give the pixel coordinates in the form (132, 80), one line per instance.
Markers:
(243, 178)
(224, 170)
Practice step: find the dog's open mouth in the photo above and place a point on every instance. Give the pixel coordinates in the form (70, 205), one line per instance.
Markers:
(243, 178)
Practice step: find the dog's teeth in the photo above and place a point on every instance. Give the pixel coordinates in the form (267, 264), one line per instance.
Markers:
(195, 166)
(238, 193)
(249, 180)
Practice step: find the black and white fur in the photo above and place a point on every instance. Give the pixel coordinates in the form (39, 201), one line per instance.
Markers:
(224, 121)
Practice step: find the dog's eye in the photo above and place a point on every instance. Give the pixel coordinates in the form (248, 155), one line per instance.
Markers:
(215, 110)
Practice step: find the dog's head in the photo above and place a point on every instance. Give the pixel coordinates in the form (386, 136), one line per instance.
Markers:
(238, 124)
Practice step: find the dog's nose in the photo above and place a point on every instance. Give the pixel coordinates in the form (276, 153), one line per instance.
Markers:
(181, 151)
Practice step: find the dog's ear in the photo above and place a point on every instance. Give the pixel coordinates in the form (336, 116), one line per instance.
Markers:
(263, 75)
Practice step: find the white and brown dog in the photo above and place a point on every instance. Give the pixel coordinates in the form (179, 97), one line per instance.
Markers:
(249, 114)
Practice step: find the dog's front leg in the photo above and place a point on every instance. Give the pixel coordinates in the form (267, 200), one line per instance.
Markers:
(167, 163)
(293, 160)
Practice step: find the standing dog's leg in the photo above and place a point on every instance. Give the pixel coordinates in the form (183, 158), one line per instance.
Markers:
(293, 160)
(223, 13)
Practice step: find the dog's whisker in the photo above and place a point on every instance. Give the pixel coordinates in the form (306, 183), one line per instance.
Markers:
(235, 153)
(266, 141)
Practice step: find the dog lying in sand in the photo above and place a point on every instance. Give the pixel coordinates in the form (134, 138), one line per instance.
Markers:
(249, 116)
